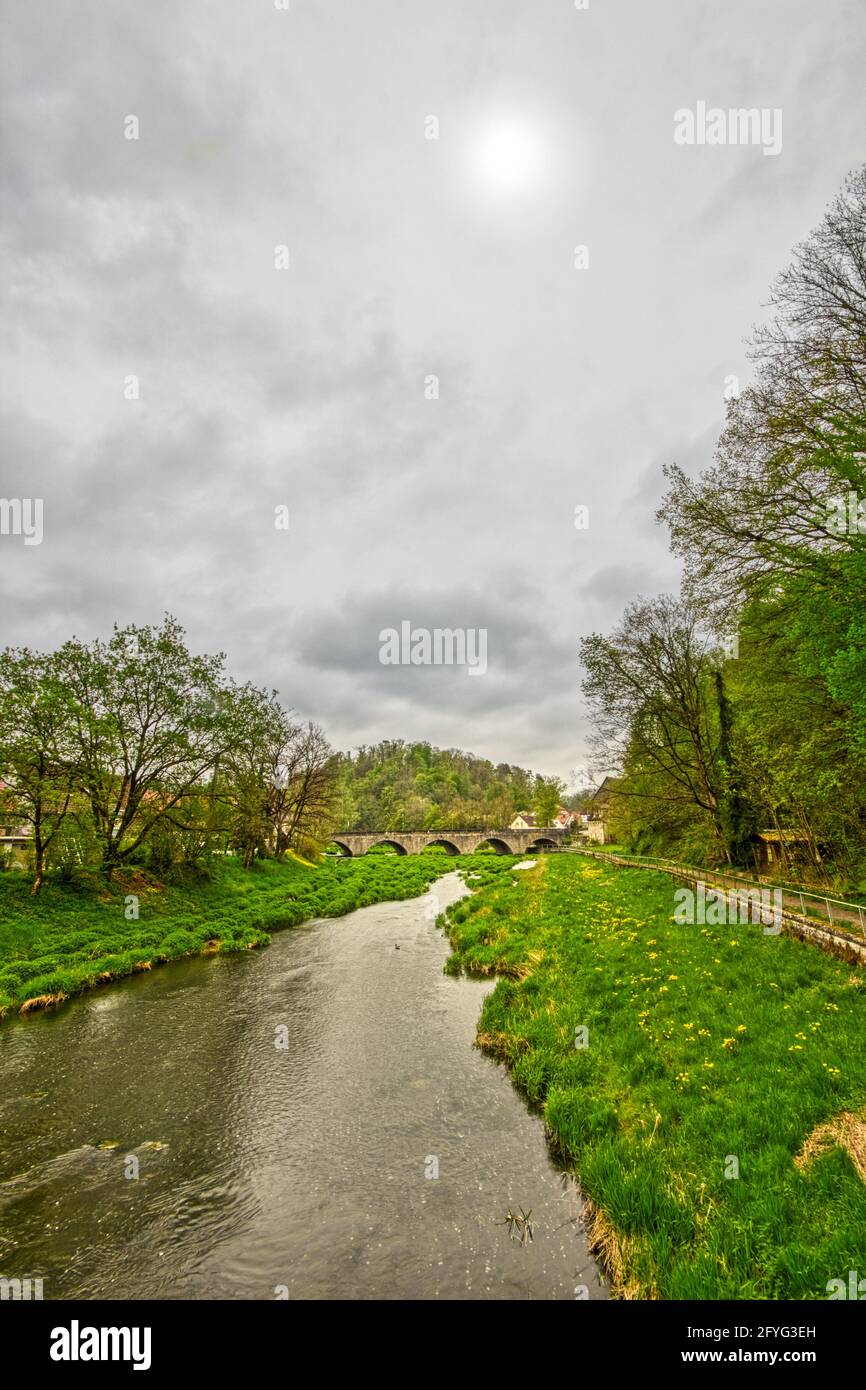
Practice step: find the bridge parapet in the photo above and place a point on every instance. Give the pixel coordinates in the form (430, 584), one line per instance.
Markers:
(454, 841)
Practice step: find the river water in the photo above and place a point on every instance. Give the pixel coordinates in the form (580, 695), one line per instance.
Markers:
(271, 1125)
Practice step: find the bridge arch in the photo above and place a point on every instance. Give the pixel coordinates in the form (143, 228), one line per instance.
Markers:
(501, 846)
(386, 840)
(345, 851)
(441, 842)
(541, 845)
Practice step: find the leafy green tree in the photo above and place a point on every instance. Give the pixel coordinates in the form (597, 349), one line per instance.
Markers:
(143, 729)
(37, 774)
(736, 814)
(546, 799)
(248, 776)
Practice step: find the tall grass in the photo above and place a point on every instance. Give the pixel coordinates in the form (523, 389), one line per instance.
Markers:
(712, 1051)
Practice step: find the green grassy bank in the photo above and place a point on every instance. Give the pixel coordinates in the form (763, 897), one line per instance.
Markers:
(716, 1117)
(80, 934)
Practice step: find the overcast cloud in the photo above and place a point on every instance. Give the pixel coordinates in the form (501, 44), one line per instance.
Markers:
(306, 387)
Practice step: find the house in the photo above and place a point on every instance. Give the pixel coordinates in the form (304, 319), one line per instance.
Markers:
(600, 800)
(527, 820)
(594, 821)
(777, 849)
(11, 833)
(595, 830)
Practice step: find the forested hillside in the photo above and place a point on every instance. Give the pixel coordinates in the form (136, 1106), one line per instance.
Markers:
(413, 786)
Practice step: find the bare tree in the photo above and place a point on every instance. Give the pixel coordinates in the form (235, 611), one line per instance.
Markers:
(652, 688)
(304, 794)
(795, 442)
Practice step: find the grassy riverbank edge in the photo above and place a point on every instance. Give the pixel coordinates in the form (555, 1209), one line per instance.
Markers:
(715, 1119)
(81, 932)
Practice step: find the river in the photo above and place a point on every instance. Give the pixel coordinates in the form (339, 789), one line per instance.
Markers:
(272, 1124)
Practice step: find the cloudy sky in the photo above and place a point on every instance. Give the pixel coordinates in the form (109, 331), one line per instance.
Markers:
(409, 257)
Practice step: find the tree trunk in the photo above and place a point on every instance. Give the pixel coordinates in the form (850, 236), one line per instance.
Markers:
(38, 849)
(40, 868)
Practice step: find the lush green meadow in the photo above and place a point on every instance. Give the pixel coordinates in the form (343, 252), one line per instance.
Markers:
(712, 1051)
(81, 932)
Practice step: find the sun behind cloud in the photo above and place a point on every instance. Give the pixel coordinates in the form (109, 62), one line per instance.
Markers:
(510, 156)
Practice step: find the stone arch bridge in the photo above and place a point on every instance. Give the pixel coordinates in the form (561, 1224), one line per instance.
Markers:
(455, 841)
